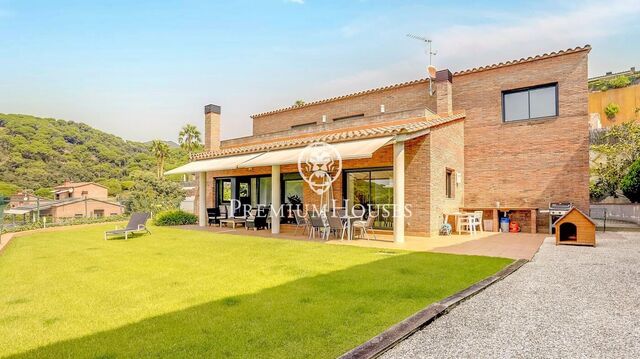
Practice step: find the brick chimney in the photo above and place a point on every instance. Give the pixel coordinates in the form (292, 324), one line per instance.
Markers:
(212, 127)
(444, 98)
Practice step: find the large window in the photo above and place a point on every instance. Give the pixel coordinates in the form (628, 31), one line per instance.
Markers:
(530, 103)
(293, 188)
(372, 188)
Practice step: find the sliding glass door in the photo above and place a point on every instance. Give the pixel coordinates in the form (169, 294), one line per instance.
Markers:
(372, 189)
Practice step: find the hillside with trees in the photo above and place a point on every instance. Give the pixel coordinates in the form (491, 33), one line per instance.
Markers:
(39, 153)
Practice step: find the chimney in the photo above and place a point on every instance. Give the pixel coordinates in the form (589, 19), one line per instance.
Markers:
(444, 98)
(212, 127)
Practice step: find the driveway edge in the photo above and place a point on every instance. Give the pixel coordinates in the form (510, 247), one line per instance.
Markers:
(384, 341)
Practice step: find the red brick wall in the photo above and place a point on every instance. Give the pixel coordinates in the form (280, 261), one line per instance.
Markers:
(417, 193)
(526, 163)
(447, 152)
(397, 99)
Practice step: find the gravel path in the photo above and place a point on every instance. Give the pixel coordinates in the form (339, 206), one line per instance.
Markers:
(568, 302)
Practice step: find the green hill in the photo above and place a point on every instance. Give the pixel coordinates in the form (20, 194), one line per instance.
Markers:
(43, 152)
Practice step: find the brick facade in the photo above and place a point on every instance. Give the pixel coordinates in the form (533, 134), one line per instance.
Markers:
(409, 97)
(526, 163)
(519, 164)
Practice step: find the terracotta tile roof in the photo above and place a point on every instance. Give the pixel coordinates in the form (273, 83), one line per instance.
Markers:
(77, 184)
(341, 135)
(423, 80)
(331, 99)
(523, 60)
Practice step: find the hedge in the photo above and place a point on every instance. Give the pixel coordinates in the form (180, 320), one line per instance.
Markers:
(175, 218)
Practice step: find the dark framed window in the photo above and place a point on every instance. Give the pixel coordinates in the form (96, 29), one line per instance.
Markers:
(224, 190)
(530, 103)
(450, 183)
(303, 125)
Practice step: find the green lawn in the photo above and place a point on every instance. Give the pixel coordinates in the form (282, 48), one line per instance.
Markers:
(180, 293)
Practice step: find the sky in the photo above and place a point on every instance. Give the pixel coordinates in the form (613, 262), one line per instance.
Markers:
(143, 69)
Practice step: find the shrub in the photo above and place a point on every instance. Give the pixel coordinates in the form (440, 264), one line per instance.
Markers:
(611, 110)
(175, 218)
(596, 191)
(66, 222)
(619, 82)
(630, 184)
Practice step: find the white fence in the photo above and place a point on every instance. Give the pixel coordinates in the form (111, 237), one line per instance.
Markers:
(622, 212)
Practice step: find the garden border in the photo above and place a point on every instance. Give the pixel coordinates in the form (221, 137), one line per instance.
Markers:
(386, 340)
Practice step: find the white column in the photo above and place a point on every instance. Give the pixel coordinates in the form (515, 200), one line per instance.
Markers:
(398, 192)
(275, 199)
(202, 199)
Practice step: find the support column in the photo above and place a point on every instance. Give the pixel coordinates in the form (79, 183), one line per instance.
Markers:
(398, 192)
(275, 199)
(202, 199)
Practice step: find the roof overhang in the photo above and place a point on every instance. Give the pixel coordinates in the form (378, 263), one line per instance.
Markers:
(214, 164)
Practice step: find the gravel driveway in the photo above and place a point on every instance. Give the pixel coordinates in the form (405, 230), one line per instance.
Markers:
(567, 302)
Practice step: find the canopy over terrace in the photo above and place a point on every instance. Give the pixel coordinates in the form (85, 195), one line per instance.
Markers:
(354, 143)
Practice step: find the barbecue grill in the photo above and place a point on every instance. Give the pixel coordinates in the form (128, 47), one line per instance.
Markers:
(557, 210)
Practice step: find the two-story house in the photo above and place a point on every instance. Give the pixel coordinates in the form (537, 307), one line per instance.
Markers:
(506, 138)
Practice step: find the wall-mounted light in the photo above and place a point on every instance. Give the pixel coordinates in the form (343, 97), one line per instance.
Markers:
(382, 108)
(324, 118)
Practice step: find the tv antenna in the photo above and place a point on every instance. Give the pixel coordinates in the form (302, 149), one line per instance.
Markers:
(431, 52)
(431, 70)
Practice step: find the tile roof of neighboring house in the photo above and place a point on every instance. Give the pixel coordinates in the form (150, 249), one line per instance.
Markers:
(408, 83)
(340, 135)
(77, 184)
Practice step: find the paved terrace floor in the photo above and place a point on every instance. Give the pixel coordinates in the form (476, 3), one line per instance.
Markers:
(507, 245)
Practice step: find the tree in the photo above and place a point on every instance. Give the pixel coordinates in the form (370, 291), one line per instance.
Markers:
(299, 103)
(160, 151)
(630, 184)
(151, 194)
(189, 138)
(620, 148)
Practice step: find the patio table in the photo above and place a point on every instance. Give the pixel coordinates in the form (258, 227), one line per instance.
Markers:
(457, 216)
(233, 222)
(349, 219)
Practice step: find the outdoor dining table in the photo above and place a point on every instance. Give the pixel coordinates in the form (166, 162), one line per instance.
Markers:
(457, 216)
(349, 219)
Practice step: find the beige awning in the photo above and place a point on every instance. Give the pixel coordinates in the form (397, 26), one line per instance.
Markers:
(215, 164)
(17, 211)
(348, 151)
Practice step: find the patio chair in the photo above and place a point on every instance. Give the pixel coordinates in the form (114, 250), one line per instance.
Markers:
(137, 223)
(319, 225)
(301, 221)
(256, 219)
(213, 215)
(477, 220)
(336, 224)
(366, 226)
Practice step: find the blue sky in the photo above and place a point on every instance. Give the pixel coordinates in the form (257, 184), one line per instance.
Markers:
(142, 69)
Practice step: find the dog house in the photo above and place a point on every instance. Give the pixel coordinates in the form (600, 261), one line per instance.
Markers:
(575, 228)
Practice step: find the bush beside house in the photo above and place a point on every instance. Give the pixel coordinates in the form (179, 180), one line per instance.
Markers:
(630, 183)
(175, 218)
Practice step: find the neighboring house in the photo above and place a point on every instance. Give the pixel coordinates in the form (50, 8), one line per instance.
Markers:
(69, 190)
(72, 200)
(627, 98)
(514, 134)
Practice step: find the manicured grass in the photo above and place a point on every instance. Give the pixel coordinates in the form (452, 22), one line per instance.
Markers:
(180, 293)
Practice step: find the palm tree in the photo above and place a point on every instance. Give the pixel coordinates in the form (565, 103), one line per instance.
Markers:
(189, 138)
(160, 150)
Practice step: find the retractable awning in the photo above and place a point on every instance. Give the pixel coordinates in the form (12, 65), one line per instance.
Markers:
(215, 164)
(17, 211)
(348, 151)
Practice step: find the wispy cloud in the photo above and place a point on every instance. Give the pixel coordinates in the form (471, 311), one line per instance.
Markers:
(509, 36)
(470, 46)
(299, 2)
